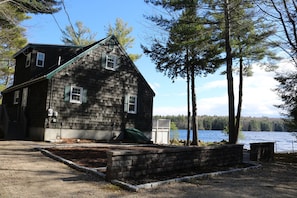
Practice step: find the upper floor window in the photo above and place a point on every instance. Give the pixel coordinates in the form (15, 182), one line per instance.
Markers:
(16, 97)
(130, 104)
(111, 62)
(28, 60)
(40, 58)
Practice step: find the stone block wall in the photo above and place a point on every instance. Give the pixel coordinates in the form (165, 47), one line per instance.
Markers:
(138, 163)
(262, 151)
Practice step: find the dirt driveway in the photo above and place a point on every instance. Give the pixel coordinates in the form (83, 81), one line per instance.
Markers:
(25, 172)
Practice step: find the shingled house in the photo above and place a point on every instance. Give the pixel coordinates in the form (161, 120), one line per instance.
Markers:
(92, 92)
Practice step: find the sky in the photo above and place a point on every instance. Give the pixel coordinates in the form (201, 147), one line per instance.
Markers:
(171, 97)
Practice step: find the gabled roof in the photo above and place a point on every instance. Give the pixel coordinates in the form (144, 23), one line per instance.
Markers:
(84, 51)
(81, 52)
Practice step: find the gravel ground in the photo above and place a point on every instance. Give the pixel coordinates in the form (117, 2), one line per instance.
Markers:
(25, 172)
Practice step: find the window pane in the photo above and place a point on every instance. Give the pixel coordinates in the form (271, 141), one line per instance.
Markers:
(75, 90)
(109, 65)
(39, 62)
(131, 108)
(110, 58)
(132, 99)
(76, 97)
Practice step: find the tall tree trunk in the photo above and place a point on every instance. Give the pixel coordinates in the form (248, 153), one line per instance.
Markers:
(194, 107)
(240, 91)
(188, 101)
(231, 121)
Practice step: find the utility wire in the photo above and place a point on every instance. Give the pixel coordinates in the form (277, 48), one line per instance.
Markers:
(57, 23)
(69, 20)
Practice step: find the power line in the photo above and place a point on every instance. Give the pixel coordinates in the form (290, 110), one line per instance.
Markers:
(69, 20)
(57, 23)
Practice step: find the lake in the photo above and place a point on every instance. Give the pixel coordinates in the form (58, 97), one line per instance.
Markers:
(283, 141)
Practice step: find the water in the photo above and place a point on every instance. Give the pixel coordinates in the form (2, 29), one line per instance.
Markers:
(283, 141)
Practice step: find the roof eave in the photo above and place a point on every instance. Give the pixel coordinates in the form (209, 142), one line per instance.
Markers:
(27, 83)
(52, 73)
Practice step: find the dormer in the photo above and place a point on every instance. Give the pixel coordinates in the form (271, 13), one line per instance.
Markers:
(30, 62)
(35, 60)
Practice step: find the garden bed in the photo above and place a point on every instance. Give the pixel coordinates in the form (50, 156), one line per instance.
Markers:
(96, 157)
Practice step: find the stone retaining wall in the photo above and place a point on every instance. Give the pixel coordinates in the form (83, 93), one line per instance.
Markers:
(138, 163)
(262, 151)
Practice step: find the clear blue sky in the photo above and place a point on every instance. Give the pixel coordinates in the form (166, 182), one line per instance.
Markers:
(170, 97)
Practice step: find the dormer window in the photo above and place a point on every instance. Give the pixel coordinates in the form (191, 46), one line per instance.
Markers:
(28, 60)
(40, 59)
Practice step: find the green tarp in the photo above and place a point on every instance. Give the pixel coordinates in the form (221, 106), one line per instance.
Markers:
(135, 135)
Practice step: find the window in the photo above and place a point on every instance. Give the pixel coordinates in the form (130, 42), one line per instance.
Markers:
(131, 104)
(111, 62)
(16, 97)
(40, 59)
(76, 94)
(28, 60)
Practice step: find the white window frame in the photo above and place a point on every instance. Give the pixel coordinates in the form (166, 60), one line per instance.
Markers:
(28, 60)
(73, 94)
(131, 104)
(16, 97)
(111, 60)
(40, 57)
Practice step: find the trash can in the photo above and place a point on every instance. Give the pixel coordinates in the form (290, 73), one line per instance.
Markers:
(262, 151)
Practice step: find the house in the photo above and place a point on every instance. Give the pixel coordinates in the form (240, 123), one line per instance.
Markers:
(91, 92)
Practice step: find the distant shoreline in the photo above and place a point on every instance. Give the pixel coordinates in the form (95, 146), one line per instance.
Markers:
(242, 131)
(221, 122)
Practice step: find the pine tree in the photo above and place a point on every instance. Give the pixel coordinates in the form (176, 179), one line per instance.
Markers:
(250, 45)
(245, 36)
(11, 40)
(121, 31)
(189, 49)
(25, 6)
(81, 36)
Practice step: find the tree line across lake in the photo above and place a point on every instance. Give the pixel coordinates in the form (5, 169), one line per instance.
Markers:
(221, 123)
